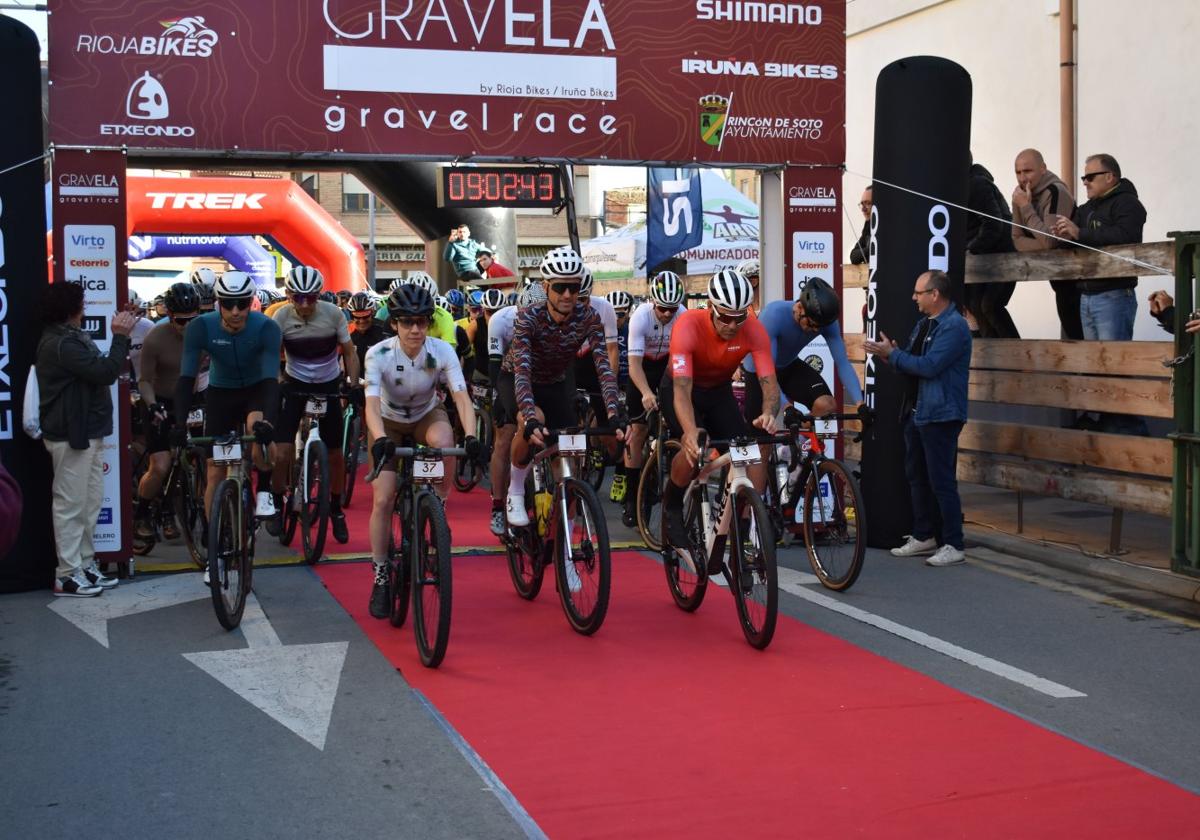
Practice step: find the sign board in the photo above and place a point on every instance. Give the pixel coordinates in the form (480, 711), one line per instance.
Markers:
(675, 81)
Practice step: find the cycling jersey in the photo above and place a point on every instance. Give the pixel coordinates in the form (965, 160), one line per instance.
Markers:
(407, 387)
(500, 330)
(366, 339)
(137, 337)
(237, 359)
(161, 353)
(479, 342)
(441, 324)
(275, 307)
(311, 345)
(608, 318)
(788, 338)
(698, 352)
(648, 337)
(543, 350)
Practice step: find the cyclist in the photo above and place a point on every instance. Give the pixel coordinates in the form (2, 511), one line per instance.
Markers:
(621, 302)
(442, 325)
(791, 325)
(158, 309)
(458, 303)
(750, 270)
(365, 331)
(161, 354)
(707, 345)
(649, 347)
(208, 297)
(137, 336)
(534, 386)
(243, 349)
(403, 374)
(203, 277)
(314, 330)
(496, 334)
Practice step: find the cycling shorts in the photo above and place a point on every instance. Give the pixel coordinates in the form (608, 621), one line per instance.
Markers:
(405, 434)
(799, 381)
(715, 409)
(227, 408)
(653, 368)
(292, 400)
(555, 399)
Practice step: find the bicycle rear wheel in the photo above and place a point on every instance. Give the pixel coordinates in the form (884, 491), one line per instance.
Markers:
(188, 499)
(522, 548)
(290, 513)
(351, 452)
(432, 581)
(687, 575)
(649, 497)
(755, 579)
(835, 531)
(399, 567)
(314, 514)
(229, 577)
(581, 555)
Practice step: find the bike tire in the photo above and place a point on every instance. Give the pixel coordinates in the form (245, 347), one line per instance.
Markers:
(522, 550)
(289, 514)
(686, 569)
(466, 473)
(584, 586)
(399, 569)
(352, 452)
(649, 498)
(314, 512)
(188, 501)
(836, 539)
(433, 586)
(754, 578)
(229, 580)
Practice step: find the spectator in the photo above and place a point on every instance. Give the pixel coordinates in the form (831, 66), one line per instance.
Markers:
(1162, 307)
(1039, 197)
(461, 250)
(987, 235)
(858, 254)
(10, 511)
(487, 265)
(1112, 215)
(77, 413)
(936, 362)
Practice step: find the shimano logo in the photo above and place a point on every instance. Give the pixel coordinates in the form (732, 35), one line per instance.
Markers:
(769, 70)
(206, 201)
(795, 14)
(186, 37)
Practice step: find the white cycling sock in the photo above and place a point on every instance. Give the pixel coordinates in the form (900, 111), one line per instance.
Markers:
(516, 480)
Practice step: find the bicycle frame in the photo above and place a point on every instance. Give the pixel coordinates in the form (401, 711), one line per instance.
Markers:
(716, 528)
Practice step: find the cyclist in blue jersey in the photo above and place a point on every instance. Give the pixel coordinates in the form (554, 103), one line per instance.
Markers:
(791, 325)
(243, 378)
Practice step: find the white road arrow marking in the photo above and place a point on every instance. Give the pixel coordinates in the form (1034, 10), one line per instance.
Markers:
(91, 615)
(294, 684)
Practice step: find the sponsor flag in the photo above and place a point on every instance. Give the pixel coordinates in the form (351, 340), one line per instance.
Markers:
(675, 210)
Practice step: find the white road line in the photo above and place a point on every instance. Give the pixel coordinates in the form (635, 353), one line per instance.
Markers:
(255, 626)
(793, 582)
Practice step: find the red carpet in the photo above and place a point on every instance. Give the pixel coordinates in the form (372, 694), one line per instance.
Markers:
(666, 724)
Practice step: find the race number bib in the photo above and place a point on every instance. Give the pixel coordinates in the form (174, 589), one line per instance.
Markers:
(196, 417)
(227, 453)
(572, 444)
(744, 455)
(315, 408)
(479, 392)
(426, 472)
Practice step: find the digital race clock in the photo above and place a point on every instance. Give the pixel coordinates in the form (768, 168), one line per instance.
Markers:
(499, 186)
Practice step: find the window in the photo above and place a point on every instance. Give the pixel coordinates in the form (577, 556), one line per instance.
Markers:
(355, 195)
(309, 183)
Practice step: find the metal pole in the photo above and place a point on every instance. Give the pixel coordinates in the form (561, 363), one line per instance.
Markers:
(1066, 86)
(371, 240)
(566, 173)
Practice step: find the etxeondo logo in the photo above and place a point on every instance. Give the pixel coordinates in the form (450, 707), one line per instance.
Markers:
(187, 37)
(147, 100)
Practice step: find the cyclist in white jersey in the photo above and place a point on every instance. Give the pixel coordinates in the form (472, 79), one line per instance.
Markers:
(403, 375)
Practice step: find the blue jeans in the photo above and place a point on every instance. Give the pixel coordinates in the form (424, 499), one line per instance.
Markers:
(931, 465)
(1108, 316)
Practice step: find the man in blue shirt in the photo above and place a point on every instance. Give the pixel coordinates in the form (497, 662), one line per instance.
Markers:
(937, 363)
(791, 326)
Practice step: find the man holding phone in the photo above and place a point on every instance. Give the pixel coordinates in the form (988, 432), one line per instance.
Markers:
(461, 250)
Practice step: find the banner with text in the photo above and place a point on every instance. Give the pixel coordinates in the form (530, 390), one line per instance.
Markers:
(651, 81)
(89, 249)
(674, 213)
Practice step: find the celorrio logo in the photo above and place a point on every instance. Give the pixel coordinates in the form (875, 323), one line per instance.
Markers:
(187, 37)
(769, 70)
(206, 201)
(796, 14)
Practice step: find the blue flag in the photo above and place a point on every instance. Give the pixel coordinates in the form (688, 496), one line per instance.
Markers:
(673, 208)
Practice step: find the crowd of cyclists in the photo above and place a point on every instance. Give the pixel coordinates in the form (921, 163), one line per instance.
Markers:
(250, 358)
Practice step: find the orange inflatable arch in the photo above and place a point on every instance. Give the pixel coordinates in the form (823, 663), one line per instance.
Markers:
(275, 207)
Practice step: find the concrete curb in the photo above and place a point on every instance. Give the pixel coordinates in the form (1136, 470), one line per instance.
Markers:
(1105, 568)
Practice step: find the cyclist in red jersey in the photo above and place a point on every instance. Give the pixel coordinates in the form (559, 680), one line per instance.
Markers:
(707, 345)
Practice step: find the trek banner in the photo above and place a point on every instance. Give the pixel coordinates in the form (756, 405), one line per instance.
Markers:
(681, 82)
(674, 213)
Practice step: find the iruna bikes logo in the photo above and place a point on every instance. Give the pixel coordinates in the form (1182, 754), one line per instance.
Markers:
(187, 37)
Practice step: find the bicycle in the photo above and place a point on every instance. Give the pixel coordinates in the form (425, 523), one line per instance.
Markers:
(231, 527)
(744, 524)
(306, 500)
(567, 510)
(420, 566)
(651, 482)
(353, 441)
(180, 500)
(466, 473)
(833, 519)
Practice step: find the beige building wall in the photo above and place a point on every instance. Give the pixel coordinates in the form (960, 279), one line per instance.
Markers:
(1136, 98)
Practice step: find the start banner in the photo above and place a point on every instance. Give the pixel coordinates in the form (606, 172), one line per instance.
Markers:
(673, 81)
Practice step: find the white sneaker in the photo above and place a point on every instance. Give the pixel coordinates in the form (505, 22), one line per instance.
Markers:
(514, 509)
(264, 505)
(947, 555)
(75, 586)
(913, 547)
(97, 578)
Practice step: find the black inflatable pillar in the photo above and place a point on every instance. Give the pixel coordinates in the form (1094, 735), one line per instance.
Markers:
(922, 143)
(30, 564)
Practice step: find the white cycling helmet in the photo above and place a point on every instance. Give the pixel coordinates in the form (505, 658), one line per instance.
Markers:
(493, 299)
(666, 289)
(201, 276)
(531, 295)
(233, 284)
(304, 280)
(562, 264)
(730, 290)
(748, 268)
(441, 303)
(619, 299)
(585, 282)
(420, 278)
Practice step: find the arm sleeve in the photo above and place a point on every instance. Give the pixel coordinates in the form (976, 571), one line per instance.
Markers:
(522, 360)
(193, 343)
(944, 350)
(452, 371)
(636, 344)
(374, 371)
(681, 349)
(609, 319)
(183, 398)
(270, 340)
(149, 369)
(91, 366)
(846, 371)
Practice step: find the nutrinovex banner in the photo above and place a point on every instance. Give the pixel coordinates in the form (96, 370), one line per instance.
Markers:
(674, 81)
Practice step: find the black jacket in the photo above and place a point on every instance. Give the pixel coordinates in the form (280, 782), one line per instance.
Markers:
(1115, 218)
(858, 254)
(73, 382)
(984, 235)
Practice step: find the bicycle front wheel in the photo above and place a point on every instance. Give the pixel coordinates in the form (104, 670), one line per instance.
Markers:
(432, 581)
(399, 567)
(755, 579)
(581, 555)
(835, 531)
(687, 573)
(649, 496)
(314, 515)
(228, 560)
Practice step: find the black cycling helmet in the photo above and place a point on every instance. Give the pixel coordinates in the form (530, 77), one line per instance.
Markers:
(362, 302)
(208, 296)
(821, 303)
(328, 297)
(410, 299)
(182, 297)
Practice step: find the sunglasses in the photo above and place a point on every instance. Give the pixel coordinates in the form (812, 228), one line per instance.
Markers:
(1087, 179)
(363, 316)
(408, 323)
(666, 310)
(182, 320)
(230, 304)
(304, 300)
(564, 288)
(735, 318)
